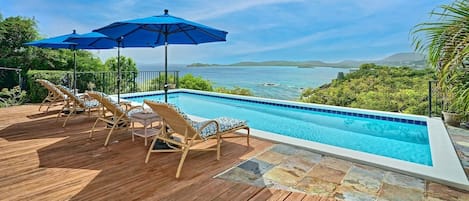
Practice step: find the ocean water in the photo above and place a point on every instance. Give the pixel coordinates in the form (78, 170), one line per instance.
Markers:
(279, 82)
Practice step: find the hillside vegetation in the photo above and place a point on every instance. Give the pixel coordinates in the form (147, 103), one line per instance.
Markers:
(410, 59)
(393, 89)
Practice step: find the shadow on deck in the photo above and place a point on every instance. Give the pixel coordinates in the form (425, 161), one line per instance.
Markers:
(40, 160)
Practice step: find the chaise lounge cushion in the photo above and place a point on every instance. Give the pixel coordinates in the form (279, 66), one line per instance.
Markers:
(86, 103)
(118, 106)
(225, 123)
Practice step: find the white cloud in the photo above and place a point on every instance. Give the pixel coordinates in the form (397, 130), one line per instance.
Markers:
(257, 29)
(225, 8)
(325, 35)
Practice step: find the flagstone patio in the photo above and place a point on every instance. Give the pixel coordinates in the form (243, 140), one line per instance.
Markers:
(298, 170)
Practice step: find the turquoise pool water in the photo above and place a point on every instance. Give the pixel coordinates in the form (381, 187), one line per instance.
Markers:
(395, 137)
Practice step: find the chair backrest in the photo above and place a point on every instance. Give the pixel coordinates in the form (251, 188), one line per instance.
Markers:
(108, 103)
(51, 87)
(71, 96)
(173, 116)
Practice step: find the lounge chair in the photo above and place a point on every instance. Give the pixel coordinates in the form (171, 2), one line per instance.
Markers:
(120, 117)
(54, 95)
(190, 133)
(76, 104)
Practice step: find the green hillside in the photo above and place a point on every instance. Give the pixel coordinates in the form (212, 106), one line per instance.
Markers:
(384, 88)
(414, 60)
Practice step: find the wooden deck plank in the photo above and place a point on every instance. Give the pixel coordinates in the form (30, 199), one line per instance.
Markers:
(270, 194)
(234, 194)
(199, 191)
(295, 196)
(41, 160)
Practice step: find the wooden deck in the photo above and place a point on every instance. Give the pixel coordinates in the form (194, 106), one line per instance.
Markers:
(40, 160)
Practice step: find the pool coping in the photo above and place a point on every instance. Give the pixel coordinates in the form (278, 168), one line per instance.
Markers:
(446, 169)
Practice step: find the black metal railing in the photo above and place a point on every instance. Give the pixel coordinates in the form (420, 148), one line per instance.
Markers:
(131, 81)
(435, 99)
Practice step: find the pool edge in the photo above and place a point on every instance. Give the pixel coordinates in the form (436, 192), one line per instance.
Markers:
(447, 168)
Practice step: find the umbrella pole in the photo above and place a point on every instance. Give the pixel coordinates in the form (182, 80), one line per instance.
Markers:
(74, 71)
(166, 68)
(118, 71)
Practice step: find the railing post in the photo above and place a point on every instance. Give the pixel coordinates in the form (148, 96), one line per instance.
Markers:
(159, 83)
(177, 79)
(103, 83)
(134, 88)
(20, 81)
(429, 98)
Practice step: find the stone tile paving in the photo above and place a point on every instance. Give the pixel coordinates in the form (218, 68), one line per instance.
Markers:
(295, 169)
(460, 138)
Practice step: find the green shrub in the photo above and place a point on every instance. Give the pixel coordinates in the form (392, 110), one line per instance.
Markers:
(235, 90)
(12, 97)
(198, 83)
(189, 81)
(36, 92)
(393, 89)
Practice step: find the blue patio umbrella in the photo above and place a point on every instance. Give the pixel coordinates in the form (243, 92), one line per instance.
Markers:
(59, 42)
(161, 30)
(96, 39)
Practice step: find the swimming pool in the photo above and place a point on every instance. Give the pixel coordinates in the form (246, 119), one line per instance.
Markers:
(402, 139)
(396, 141)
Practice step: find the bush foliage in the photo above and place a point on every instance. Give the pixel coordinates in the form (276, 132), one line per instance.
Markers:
(190, 81)
(36, 92)
(10, 97)
(235, 90)
(393, 89)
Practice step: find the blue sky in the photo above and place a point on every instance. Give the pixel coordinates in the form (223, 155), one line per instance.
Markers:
(258, 30)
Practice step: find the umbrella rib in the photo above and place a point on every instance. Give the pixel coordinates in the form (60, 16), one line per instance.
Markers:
(188, 36)
(183, 29)
(212, 35)
(152, 30)
(134, 30)
(202, 30)
(130, 32)
(94, 42)
(156, 31)
(158, 38)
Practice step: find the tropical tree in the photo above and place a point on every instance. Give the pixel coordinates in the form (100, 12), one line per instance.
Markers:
(394, 89)
(14, 31)
(129, 72)
(446, 42)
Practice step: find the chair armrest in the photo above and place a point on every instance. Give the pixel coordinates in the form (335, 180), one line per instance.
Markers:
(208, 123)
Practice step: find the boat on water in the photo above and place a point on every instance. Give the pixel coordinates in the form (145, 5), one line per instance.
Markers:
(268, 84)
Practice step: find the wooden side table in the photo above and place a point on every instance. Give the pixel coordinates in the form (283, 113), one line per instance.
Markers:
(146, 119)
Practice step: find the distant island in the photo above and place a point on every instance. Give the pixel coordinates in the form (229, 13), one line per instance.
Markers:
(414, 60)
